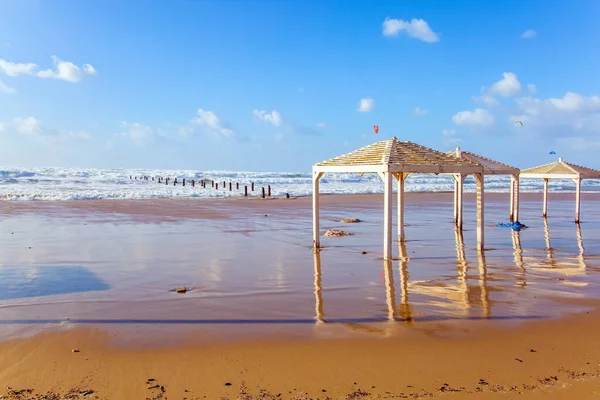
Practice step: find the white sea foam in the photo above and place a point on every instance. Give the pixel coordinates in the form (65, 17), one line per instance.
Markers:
(82, 184)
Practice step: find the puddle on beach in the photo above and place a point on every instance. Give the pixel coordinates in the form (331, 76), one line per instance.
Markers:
(258, 277)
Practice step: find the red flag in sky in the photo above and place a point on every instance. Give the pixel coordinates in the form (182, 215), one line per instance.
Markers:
(376, 128)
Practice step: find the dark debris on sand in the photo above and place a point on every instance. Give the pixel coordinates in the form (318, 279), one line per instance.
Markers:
(29, 394)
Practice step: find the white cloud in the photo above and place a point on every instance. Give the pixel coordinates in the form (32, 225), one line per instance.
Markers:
(138, 133)
(477, 117)
(507, 86)
(532, 88)
(32, 127)
(321, 125)
(5, 89)
(416, 28)
(488, 100)
(64, 70)
(528, 34)
(67, 71)
(366, 105)
(209, 120)
(420, 112)
(16, 69)
(1, 126)
(448, 132)
(273, 117)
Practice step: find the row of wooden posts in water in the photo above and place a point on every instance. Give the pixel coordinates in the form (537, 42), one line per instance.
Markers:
(203, 183)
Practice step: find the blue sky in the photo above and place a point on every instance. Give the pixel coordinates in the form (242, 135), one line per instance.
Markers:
(277, 85)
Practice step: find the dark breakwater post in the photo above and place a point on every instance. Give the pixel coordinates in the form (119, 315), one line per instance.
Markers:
(269, 186)
(193, 183)
(230, 186)
(246, 191)
(216, 186)
(237, 185)
(263, 192)
(212, 183)
(166, 181)
(253, 186)
(183, 181)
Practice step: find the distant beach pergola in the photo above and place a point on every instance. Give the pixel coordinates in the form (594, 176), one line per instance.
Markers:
(561, 170)
(490, 167)
(393, 158)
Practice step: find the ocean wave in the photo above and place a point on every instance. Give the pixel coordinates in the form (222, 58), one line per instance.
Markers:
(30, 184)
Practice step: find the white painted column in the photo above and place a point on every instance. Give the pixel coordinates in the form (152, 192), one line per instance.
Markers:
(517, 194)
(387, 215)
(480, 212)
(400, 206)
(577, 199)
(545, 206)
(459, 214)
(455, 177)
(511, 214)
(315, 203)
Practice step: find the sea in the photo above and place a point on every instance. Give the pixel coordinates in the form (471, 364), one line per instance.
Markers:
(25, 184)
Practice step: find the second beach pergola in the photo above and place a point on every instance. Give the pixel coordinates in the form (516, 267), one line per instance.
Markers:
(561, 170)
(490, 167)
(393, 158)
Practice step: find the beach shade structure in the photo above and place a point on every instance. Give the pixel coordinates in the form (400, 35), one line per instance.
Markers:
(395, 159)
(561, 170)
(490, 167)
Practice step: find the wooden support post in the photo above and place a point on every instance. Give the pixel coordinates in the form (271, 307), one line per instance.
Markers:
(269, 188)
(167, 181)
(545, 206)
(459, 202)
(246, 191)
(152, 179)
(263, 192)
(253, 186)
(516, 197)
(216, 186)
(387, 215)
(230, 186)
(193, 183)
(224, 184)
(400, 206)
(136, 178)
(130, 177)
(455, 199)
(237, 185)
(511, 212)
(212, 183)
(480, 212)
(183, 181)
(577, 199)
(315, 200)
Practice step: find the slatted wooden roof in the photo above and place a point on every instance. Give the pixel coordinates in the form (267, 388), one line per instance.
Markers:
(395, 156)
(561, 169)
(490, 167)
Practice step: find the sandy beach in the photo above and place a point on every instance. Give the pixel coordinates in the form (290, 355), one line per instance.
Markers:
(88, 301)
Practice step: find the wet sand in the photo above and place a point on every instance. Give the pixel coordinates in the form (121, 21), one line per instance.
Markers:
(98, 276)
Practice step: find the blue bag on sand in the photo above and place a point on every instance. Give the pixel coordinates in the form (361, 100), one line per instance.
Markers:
(516, 226)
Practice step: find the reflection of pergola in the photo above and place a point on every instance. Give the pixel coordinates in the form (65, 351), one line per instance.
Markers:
(398, 159)
(490, 167)
(561, 170)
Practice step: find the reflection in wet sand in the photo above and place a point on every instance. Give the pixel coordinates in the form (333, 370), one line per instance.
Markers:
(561, 265)
(406, 311)
(318, 288)
(518, 258)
